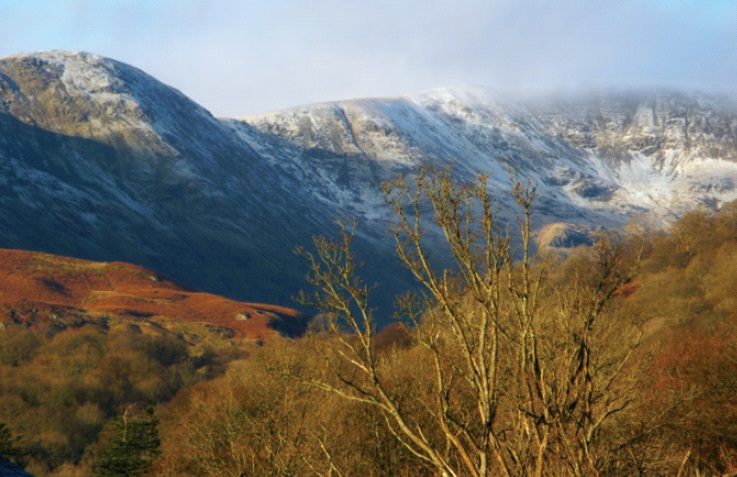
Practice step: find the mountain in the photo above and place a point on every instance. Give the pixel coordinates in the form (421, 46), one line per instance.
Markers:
(597, 159)
(101, 161)
(52, 293)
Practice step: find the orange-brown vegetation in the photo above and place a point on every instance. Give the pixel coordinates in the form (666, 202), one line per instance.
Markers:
(315, 406)
(687, 304)
(58, 392)
(41, 290)
(624, 376)
(82, 341)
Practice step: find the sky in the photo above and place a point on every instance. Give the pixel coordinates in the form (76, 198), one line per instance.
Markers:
(241, 57)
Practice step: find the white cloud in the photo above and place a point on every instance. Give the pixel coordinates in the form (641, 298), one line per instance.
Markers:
(241, 57)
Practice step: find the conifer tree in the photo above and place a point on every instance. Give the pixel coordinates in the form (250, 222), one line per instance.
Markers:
(8, 450)
(132, 446)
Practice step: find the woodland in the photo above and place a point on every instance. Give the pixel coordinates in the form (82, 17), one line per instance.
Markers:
(618, 358)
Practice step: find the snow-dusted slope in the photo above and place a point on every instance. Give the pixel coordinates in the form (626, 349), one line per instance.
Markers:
(101, 161)
(343, 150)
(598, 160)
(662, 152)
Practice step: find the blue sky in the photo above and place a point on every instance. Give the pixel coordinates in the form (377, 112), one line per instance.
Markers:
(243, 57)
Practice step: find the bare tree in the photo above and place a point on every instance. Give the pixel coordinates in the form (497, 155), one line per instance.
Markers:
(517, 375)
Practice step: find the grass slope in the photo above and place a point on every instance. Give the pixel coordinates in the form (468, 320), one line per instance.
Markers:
(51, 292)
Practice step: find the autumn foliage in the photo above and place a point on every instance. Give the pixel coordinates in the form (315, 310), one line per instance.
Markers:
(618, 359)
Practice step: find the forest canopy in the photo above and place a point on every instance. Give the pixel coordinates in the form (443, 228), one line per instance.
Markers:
(617, 359)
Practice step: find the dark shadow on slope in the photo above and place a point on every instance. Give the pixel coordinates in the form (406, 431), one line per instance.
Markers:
(290, 326)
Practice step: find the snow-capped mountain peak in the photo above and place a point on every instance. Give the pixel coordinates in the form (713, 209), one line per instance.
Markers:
(100, 160)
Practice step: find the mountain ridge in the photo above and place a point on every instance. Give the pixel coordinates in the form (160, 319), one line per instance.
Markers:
(101, 161)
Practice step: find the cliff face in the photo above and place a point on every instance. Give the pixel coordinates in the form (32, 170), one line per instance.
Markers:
(99, 160)
(664, 152)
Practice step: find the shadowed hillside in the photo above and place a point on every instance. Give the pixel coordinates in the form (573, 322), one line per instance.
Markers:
(99, 160)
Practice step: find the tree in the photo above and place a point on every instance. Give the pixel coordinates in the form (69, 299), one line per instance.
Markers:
(132, 445)
(8, 449)
(520, 378)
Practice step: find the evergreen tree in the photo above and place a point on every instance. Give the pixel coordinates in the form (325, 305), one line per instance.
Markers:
(132, 446)
(8, 450)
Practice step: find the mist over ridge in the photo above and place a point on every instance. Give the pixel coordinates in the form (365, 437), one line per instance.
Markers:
(102, 161)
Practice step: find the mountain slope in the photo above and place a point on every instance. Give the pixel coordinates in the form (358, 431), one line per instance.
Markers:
(53, 293)
(101, 161)
(663, 152)
(104, 162)
(600, 159)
